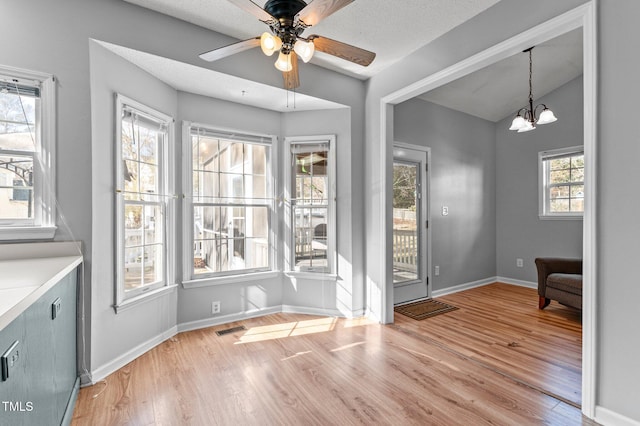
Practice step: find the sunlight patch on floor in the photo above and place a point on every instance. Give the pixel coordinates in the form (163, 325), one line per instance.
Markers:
(299, 328)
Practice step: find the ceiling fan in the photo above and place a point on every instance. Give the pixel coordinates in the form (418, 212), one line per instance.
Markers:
(287, 20)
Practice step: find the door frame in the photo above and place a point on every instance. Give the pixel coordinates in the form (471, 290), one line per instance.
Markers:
(584, 17)
(425, 208)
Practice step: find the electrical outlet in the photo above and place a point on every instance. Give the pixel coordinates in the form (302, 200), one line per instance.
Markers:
(519, 263)
(215, 307)
(437, 270)
(55, 308)
(9, 359)
(445, 211)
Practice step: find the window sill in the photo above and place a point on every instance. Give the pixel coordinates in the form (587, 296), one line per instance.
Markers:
(145, 297)
(560, 217)
(319, 276)
(229, 279)
(11, 233)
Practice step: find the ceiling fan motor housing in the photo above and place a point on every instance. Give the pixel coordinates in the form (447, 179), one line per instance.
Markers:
(284, 9)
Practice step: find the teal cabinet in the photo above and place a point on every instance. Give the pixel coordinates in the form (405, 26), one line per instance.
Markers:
(42, 384)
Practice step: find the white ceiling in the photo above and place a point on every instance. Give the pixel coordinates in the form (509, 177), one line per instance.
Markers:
(492, 93)
(375, 25)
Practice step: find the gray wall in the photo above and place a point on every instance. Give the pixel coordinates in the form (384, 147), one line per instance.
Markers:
(463, 178)
(618, 205)
(114, 335)
(520, 232)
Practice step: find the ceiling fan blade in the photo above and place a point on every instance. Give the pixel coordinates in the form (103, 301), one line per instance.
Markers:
(231, 49)
(317, 10)
(291, 78)
(254, 9)
(343, 50)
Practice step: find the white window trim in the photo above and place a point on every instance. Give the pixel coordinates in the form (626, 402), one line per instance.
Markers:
(227, 277)
(167, 285)
(543, 214)
(44, 186)
(289, 247)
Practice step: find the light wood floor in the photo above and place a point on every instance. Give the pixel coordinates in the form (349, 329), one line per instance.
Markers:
(462, 367)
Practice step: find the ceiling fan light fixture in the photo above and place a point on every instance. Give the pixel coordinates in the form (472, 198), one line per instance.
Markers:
(284, 62)
(304, 49)
(270, 43)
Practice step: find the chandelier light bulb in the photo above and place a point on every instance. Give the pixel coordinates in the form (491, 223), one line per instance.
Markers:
(270, 43)
(546, 117)
(284, 62)
(518, 123)
(304, 49)
(528, 126)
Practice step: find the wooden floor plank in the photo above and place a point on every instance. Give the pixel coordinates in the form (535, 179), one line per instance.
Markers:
(288, 369)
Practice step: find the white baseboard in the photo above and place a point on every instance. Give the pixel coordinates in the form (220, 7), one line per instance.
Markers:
(521, 283)
(462, 287)
(290, 309)
(224, 319)
(124, 359)
(607, 417)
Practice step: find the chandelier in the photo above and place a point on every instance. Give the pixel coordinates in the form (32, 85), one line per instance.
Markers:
(526, 118)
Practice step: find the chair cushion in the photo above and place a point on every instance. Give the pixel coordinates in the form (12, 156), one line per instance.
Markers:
(571, 283)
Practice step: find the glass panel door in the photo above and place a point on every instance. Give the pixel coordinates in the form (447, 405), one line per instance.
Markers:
(406, 216)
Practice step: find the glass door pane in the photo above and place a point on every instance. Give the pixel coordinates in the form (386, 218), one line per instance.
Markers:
(405, 219)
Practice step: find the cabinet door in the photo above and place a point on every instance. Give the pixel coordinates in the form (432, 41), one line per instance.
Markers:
(64, 341)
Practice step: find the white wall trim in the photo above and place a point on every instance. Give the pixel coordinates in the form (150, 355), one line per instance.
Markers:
(290, 309)
(119, 362)
(462, 287)
(224, 319)
(607, 417)
(519, 283)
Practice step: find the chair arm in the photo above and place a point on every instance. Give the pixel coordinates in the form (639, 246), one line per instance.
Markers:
(550, 265)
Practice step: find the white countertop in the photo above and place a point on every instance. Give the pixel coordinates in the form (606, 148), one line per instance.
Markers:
(23, 281)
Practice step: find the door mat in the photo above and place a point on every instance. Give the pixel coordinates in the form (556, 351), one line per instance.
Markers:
(423, 309)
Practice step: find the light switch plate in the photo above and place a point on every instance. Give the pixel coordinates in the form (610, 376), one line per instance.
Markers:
(55, 308)
(9, 359)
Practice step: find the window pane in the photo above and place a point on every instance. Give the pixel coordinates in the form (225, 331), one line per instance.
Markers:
(311, 237)
(224, 156)
(130, 176)
(231, 186)
(577, 205)
(577, 175)
(17, 122)
(560, 205)
(559, 192)
(577, 191)
(560, 163)
(16, 189)
(133, 268)
(149, 178)
(133, 225)
(259, 157)
(560, 176)
(153, 228)
(152, 264)
(149, 145)
(577, 161)
(237, 157)
(256, 186)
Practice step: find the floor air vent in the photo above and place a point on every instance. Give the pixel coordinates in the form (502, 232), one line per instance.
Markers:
(230, 330)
